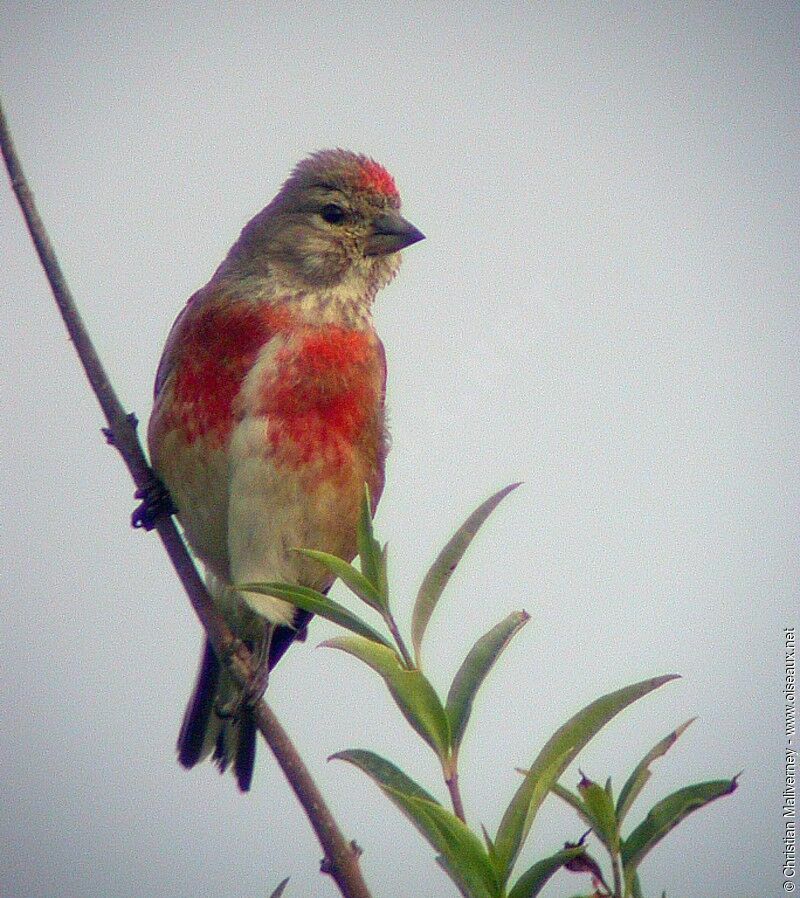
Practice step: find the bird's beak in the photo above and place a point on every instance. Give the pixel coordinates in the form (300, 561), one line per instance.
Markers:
(390, 233)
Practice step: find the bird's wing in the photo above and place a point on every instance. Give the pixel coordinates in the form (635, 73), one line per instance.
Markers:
(169, 356)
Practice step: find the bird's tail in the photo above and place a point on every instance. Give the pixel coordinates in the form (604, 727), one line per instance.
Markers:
(230, 741)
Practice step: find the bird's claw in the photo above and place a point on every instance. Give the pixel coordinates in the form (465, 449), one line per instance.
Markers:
(229, 710)
(156, 503)
(250, 695)
(255, 689)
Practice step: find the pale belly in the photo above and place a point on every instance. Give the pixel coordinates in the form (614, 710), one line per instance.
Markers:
(244, 514)
(274, 509)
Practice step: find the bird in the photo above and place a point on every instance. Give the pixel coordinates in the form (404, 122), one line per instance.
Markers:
(269, 417)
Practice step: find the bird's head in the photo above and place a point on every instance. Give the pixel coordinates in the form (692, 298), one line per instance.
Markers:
(335, 221)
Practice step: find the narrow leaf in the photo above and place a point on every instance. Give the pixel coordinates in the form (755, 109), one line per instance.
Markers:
(463, 857)
(641, 773)
(410, 689)
(442, 569)
(576, 802)
(383, 772)
(587, 814)
(458, 880)
(279, 891)
(560, 750)
(369, 552)
(352, 578)
(533, 880)
(489, 846)
(473, 671)
(316, 603)
(383, 585)
(601, 810)
(667, 814)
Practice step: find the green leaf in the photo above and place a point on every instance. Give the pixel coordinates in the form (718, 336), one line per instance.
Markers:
(489, 846)
(641, 773)
(352, 578)
(601, 810)
(383, 772)
(442, 569)
(316, 603)
(666, 815)
(383, 585)
(463, 857)
(410, 689)
(589, 814)
(369, 552)
(560, 750)
(575, 802)
(454, 875)
(533, 880)
(279, 891)
(473, 671)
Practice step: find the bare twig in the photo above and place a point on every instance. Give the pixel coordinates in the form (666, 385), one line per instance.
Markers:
(341, 857)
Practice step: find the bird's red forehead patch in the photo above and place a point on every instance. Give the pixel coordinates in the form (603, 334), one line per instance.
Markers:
(373, 176)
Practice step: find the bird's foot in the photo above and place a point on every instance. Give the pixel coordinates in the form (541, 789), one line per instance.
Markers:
(229, 710)
(255, 689)
(251, 695)
(156, 503)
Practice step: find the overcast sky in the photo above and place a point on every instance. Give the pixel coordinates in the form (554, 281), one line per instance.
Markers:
(606, 308)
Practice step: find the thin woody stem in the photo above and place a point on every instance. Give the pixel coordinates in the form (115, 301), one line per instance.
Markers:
(391, 623)
(455, 796)
(617, 870)
(341, 857)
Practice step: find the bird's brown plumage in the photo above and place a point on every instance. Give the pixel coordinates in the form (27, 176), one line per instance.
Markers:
(269, 414)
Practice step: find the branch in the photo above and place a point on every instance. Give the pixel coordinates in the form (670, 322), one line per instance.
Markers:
(341, 857)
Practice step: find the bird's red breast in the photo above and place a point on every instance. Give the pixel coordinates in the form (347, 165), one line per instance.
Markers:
(216, 346)
(323, 396)
(319, 388)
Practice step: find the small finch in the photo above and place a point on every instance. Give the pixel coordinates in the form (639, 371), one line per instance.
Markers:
(269, 415)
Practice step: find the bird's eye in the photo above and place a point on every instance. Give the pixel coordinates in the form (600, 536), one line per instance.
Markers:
(332, 213)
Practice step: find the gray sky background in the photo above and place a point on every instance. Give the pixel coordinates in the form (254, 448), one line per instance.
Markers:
(606, 307)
